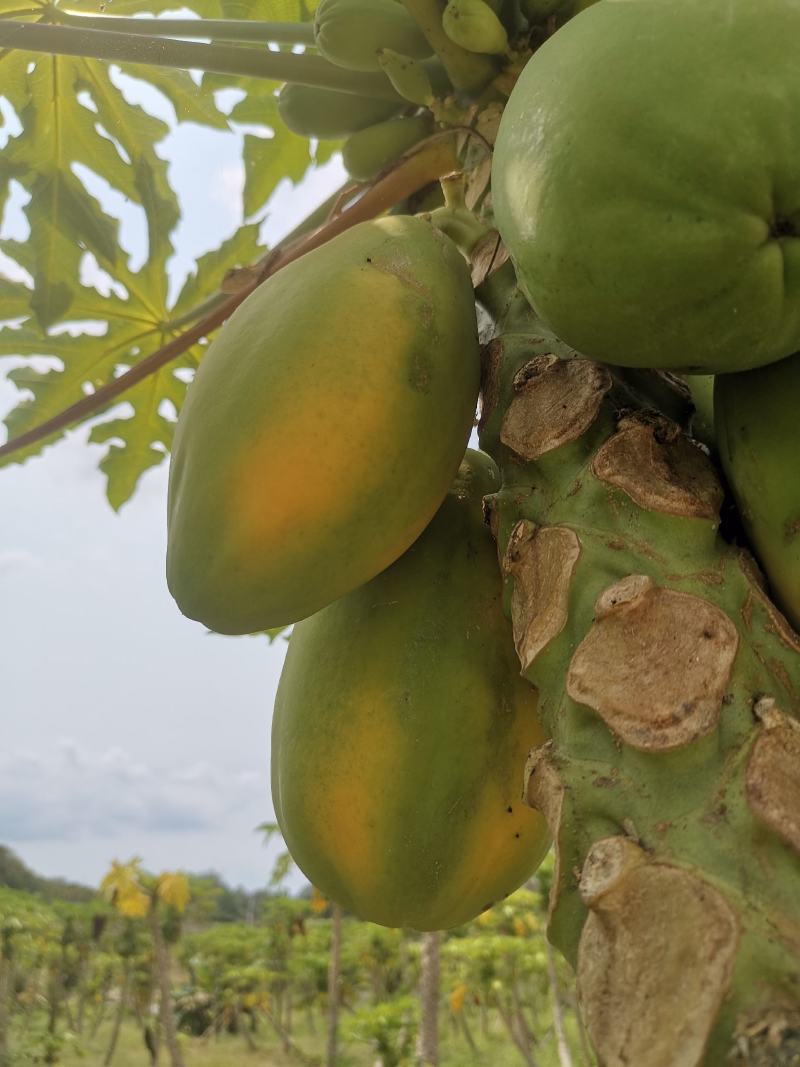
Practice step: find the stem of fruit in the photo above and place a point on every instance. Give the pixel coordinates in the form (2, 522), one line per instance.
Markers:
(467, 70)
(246, 30)
(221, 59)
(669, 688)
(431, 160)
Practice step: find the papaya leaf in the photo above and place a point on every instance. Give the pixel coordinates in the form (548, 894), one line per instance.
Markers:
(191, 102)
(133, 442)
(269, 10)
(13, 77)
(134, 326)
(73, 115)
(80, 132)
(210, 9)
(173, 888)
(281, 868)
(268, 161)
(239, 250)
(14, 299)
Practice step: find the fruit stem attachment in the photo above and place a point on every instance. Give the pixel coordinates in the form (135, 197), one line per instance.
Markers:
(221, 59)
(463, 228)
(454, 191)
(467, 70)
(245, 30)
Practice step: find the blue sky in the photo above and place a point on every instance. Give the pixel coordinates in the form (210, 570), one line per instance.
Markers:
(126, 728)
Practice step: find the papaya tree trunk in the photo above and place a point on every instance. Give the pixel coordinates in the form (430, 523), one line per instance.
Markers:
(428, 1036)
(333, 986)
(521, 1040)
(467, 1032)
(562, 1046)
(669, 688)
(166, 1014)
(120, 1013)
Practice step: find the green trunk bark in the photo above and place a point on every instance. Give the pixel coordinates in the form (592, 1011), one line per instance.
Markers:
(669, 689)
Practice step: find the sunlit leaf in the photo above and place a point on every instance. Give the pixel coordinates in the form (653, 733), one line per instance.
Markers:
(80, 136)
(268, 161)
(173, 889)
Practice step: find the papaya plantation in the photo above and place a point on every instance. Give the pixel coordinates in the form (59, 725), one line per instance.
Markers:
(502, 437)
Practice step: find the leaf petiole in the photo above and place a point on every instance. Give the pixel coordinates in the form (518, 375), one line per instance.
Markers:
(245, 30)
(220, 58)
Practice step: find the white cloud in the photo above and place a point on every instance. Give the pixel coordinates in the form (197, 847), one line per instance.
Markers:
(227, 191)
(72, 792)
(13, 560)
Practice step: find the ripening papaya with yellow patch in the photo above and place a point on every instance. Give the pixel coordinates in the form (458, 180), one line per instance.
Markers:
(324, 427)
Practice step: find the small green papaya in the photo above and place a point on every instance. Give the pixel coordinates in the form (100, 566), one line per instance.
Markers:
(368, 151)
(323, 428)
(473, 25)
(327, 114)
(408, 76)
(401, 731)
(350, 32)
(755, 418)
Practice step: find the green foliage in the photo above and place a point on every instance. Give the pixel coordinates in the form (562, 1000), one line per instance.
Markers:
(14, 874)
(79, 126)
(389, 1028)
(238, 981)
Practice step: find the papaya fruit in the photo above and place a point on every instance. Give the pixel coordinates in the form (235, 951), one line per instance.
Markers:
(473, 25)
(408, 76)
(638, 237)
(323, 428)
(755, 419)
(350, 32)
(368, 151)
(401, 730)
(327, 114)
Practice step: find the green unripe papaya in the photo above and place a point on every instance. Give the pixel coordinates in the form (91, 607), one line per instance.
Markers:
(401, 730)
(323, 428)
(408, 76)
(473, 25)
(638, 235)
(327, 114)
(350, 32)
(367, 152)
(758, 435)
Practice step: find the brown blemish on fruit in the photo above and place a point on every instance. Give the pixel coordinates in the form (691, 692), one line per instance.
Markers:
(556, 401)
(772, 777)
(641, 1003)
(660, 469)
(541, 561)
(655, 665)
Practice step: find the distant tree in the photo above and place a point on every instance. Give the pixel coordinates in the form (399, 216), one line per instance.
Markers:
(17, 875)
(135, 894)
